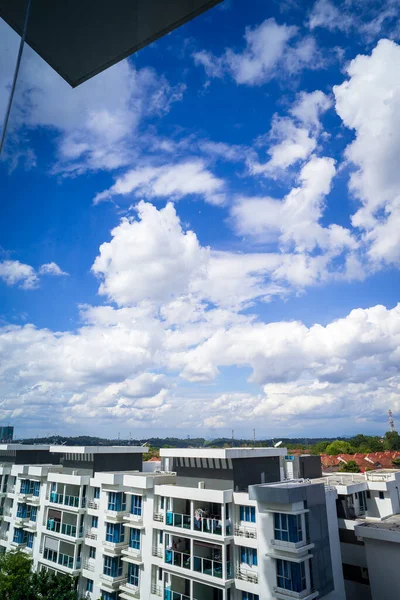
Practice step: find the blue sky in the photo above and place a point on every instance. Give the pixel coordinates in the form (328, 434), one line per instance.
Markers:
(206, 235)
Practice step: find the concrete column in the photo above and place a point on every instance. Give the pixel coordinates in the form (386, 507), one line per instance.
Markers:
(191, 514)
(191, 553)
(224, 562)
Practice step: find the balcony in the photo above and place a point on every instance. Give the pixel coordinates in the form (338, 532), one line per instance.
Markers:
(283, 594)
(20, 520)
(64, 529)
(4, 535)
(295, 547)
(88, 565)
(114, 547)
(113, 581)
(207, 566)
(93, 504)
(177, 559)
(133, 518)
(208, 525)
(247, 575)
(89, 535)
(63, 560)
(18, 544)
(134, 553)
(179, 520)
(246, 532)
(67, 500)
(130, 589)
(157, 516)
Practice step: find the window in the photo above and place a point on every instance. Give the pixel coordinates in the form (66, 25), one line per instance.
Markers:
(381, 496)
(89, 585)
(50, 555)
(248, 556)
(96, 493)
(116, 501)
(92, 552)
(95, 522)
(133, 574)
(248, 513)
(134, 539)
(161, 537)
(20, 536)
(21, 510)
(108, 595)
(368, 494)
(31, 539)
(249, 596)
(36, 488)
(288, 527)
(162, 502)
(115, 533)
(33, 513)
(362, 498)
(112, 566)
(290, 575)
(136, 505)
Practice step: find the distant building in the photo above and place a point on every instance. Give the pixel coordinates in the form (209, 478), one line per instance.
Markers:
(6, 434)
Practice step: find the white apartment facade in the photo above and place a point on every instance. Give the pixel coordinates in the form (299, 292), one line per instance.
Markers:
(368, 507)
(212, 525)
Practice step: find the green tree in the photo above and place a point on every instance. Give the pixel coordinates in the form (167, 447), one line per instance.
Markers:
(396, 462)
(319, 448)
(339, 447)
(350, 467)
(15, 573)
(46, 585)
(392, 440)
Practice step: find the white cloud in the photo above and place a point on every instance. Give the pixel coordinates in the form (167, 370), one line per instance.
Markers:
(169, 181)
(270, 48)
(149, 259)
(51, 268)
(325, 14)
(294, 221)
(292, 139)
(95, 122)
(13, 272)
(369, 103)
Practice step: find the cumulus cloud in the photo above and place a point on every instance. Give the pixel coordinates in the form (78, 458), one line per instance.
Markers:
(369, 103)
(13, 272)
(173, 181)
(269, 47)
(149, 259)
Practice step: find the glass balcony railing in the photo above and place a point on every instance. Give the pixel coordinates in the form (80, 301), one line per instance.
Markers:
(172, 595)
(177, 559)
(67, 500)
(207, 566)
(60, 559)
(177, 520)
(206, 525)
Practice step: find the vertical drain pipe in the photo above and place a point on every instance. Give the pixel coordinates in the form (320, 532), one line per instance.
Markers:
(14, 83)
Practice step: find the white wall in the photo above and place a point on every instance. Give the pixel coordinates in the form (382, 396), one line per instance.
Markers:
(339, 592)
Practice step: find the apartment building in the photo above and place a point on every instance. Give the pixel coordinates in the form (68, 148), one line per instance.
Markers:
(369, 529)
(212, 524)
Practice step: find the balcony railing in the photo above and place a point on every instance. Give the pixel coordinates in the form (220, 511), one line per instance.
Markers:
(158, 517)
(117, 544)
(208, 525)
(65, 528)
(4, 536)
(93, 504)
(247, 575)
(172, 595)
(156, 589)
(286, 545)
(157, 552)
(67, 500)
(61, 559)
(247, 532)
(207, 566)
(11, 489)
(89, 566)
(90, 535)
(132, 552)
(282, 592)
(114, 580)
(177, 520)
(178, 559)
